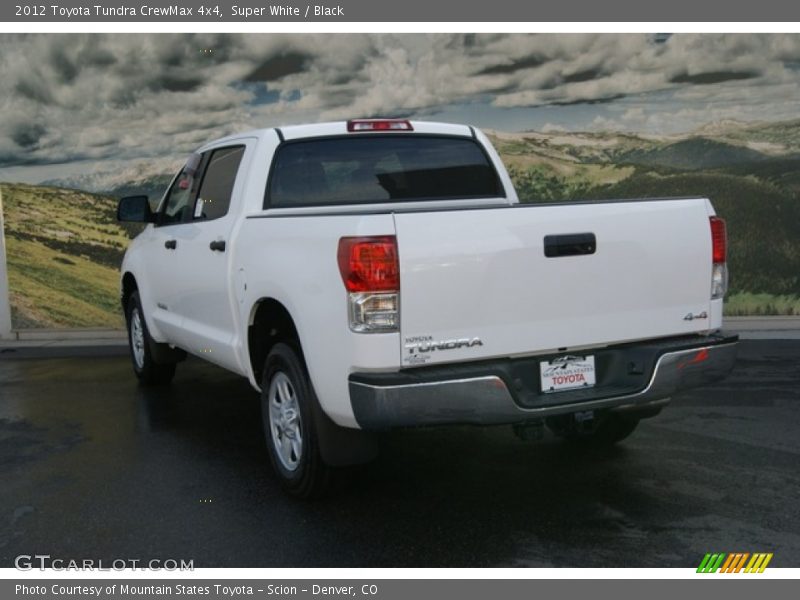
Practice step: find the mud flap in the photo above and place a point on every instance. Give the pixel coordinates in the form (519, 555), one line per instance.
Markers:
(163, 355)
(342, 446)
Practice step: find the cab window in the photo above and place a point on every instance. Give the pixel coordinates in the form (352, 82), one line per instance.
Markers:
(216, 188)
(377, 168)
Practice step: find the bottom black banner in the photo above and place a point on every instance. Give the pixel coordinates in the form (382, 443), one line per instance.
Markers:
(732, 587)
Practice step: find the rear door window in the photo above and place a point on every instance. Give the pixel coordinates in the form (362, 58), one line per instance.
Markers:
(380, 169)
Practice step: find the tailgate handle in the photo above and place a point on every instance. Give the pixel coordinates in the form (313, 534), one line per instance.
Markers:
(569, 244)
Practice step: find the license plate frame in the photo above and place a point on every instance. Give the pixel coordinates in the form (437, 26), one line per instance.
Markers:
(566, 373)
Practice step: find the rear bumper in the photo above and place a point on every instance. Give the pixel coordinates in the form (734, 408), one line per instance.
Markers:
(630, 377)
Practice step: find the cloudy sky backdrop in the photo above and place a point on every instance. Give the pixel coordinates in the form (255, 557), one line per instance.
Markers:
(75, 103)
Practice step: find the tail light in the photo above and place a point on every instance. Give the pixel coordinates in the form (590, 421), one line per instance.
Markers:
(370, 271)
(719, 250)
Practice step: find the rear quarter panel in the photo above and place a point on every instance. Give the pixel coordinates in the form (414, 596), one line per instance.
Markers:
(293, 260)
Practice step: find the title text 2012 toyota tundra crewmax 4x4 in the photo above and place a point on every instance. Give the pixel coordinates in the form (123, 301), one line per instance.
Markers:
(381, 273)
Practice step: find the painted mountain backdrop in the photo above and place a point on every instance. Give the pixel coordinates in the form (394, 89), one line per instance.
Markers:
(64, 246)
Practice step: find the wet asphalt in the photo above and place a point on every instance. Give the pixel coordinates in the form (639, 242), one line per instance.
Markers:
(93, 466)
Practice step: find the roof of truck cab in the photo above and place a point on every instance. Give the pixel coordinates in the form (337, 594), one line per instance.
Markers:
(293, 132)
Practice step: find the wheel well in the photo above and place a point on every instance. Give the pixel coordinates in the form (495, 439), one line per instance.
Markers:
(271, 323)
(128, 287)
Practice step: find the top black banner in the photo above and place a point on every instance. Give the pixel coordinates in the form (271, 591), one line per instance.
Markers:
(342, 11)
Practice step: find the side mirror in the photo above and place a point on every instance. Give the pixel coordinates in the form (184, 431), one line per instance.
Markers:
(135, 209)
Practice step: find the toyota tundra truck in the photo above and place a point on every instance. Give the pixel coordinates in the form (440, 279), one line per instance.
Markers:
(381, 273)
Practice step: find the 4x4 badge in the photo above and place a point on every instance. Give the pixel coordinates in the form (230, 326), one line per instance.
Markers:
(691, 317)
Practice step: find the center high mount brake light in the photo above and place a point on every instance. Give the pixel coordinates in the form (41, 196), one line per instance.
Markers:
(379, 125)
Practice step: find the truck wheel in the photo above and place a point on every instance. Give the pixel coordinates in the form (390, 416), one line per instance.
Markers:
(606, 429)
(145, 367)
(286, 413)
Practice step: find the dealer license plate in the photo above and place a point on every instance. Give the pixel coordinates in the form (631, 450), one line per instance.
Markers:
(567, 373)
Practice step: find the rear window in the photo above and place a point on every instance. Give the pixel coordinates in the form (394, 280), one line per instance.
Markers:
(374, 169)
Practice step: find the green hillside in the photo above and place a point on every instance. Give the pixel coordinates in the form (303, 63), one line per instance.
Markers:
(694, 154)
(64, 249)
(782, 137)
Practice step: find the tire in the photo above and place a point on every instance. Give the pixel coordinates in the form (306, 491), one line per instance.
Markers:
(147, 370)
(606, 429)
(287, 399)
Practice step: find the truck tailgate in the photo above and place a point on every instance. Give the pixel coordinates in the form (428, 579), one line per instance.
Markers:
(477, 283)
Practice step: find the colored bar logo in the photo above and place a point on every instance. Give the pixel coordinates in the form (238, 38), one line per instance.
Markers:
(735, 562)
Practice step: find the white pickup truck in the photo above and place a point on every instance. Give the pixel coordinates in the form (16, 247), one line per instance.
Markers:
(381, 273)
